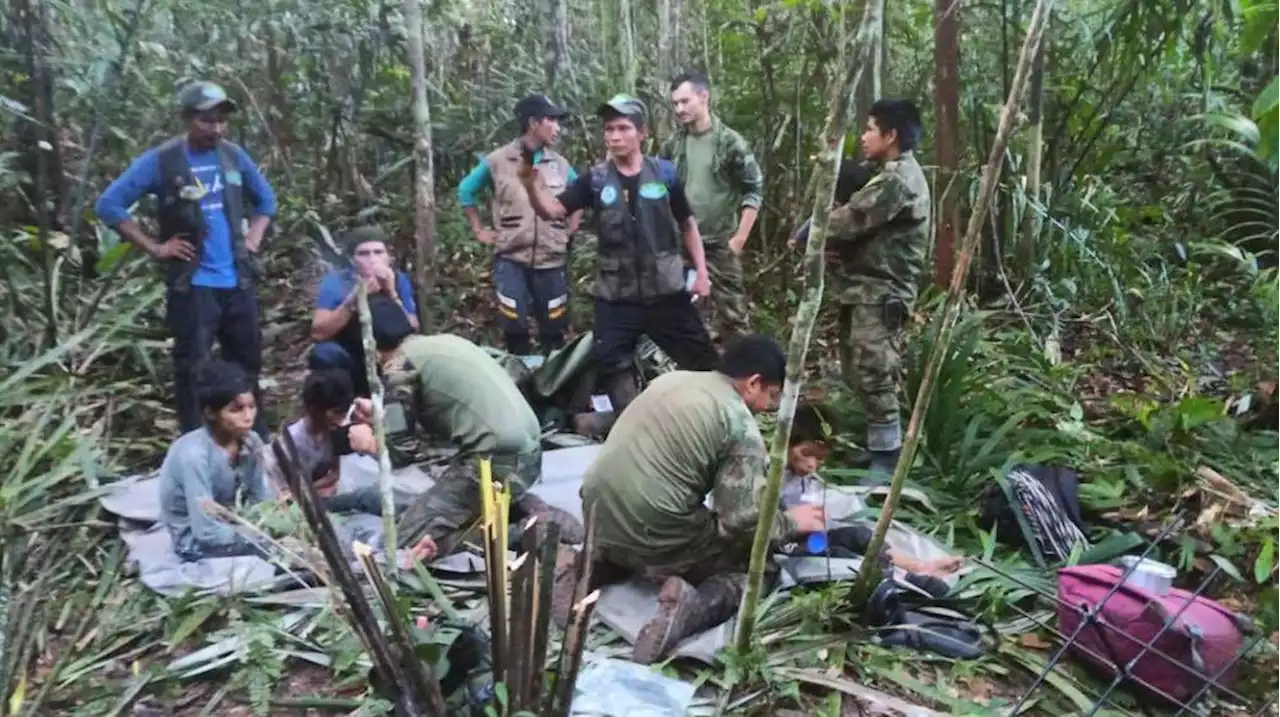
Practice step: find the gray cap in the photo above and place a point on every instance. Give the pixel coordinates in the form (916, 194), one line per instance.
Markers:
(627, 106)
(203, 96)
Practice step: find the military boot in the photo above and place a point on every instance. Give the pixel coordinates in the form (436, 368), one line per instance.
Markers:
(622, 388)
(594, 424)
(884, 445)
(571, 530)
(684, 611)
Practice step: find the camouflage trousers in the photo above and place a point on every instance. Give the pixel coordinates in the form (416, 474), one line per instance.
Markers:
(871, 361)
(727, 309)
(725, 559)
(447, 509)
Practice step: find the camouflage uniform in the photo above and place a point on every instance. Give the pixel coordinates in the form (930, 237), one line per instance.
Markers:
(457, 390)
(882, 236)
(720, 183)
(688, 435)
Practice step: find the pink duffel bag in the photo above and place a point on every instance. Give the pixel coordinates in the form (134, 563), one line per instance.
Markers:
(1203, 640)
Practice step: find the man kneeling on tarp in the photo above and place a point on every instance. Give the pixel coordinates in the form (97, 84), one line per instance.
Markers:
(454, 389)
(220, 463)
(689, 434)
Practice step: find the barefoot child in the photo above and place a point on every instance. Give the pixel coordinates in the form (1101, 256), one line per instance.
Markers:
(810, 446)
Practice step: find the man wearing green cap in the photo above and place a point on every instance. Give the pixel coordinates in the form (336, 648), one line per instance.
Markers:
(529, 254)
(214, 207)
(335, 327)
(642, 221)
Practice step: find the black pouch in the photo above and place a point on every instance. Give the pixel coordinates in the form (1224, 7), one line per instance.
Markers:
(894, 313)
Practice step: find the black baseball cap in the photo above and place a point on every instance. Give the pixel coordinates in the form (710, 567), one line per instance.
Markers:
(538, 107)
(203, 96)
(632, 108)
(353, 238)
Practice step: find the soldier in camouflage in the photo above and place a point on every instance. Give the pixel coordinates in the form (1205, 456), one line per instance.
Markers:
(688, 435)
(453, 389)
(882, 236)
(724, 185)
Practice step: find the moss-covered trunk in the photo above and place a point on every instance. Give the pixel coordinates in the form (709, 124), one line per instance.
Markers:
(839, 97)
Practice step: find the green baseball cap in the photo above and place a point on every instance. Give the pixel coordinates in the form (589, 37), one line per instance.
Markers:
(203, 96)
(353, 238)
(623, 104)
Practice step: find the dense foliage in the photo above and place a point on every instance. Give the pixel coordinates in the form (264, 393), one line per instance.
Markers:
(1130, 333)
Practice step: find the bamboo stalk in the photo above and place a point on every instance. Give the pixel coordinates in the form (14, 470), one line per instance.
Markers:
(422, 680)
(550, 535)
(870, 573)
(363, 620)
(520, 642)
(840, 99)
(571, 655)
(379, 424)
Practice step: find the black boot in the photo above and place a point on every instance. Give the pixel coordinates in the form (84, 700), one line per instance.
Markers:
(881, 467)
(683, 612)
(571, 530)
(519, 344)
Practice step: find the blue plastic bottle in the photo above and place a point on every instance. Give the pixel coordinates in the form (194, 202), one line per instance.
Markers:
(817, 543)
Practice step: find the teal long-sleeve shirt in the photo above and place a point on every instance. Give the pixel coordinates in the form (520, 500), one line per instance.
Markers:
(479, 179)
(197, 469)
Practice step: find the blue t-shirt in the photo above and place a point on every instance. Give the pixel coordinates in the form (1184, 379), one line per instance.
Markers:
(336, 285)
(217, 264)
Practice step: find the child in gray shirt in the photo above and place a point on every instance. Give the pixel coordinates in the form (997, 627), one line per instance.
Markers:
(220, 463)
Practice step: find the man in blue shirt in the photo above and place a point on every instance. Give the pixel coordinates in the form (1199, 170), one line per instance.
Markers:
(336, 325)
(530, 254)
(213, 207)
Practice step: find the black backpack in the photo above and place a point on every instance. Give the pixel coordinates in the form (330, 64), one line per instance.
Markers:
(1037, 507)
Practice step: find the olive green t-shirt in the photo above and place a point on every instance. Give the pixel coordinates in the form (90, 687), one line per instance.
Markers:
(687, 436)
(714, 200)
(467, 397)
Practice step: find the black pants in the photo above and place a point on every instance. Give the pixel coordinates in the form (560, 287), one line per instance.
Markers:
(197, 317)
(673, 323)
(522, 291)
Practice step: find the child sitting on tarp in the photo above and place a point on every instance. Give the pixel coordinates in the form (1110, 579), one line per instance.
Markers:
(220, 463)
(809, 446)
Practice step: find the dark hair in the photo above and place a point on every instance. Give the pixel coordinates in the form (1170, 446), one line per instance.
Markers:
(755, 354)
(899, 116)
(699, 81)
(812, 424)
(218, 383)
(327, 390)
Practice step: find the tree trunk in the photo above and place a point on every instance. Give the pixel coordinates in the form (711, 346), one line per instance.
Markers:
(630, 69)
(665, 74)
(557, 41)
(946, 140)
(870, 574)
(1035, 153)
(839, 99)
(424, 194)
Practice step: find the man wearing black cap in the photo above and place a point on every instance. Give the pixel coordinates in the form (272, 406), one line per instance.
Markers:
(214, 207)
(529, 253)
(336, 326)
(642, 218)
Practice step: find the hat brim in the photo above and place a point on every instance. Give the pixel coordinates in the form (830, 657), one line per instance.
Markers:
(228, 105)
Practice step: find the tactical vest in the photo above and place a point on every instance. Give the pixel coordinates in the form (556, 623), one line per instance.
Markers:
(184, 216)
(639, 254)
(522, 236)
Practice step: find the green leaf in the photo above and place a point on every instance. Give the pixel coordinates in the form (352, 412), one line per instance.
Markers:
(1227, 567)
(111, 258)
(1266, 561)
(1267, 100)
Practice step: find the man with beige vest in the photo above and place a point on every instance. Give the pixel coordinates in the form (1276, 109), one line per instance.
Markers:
(529, 253)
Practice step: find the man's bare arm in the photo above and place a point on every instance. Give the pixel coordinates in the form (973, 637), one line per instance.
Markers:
(326, 323)
(693, 245)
